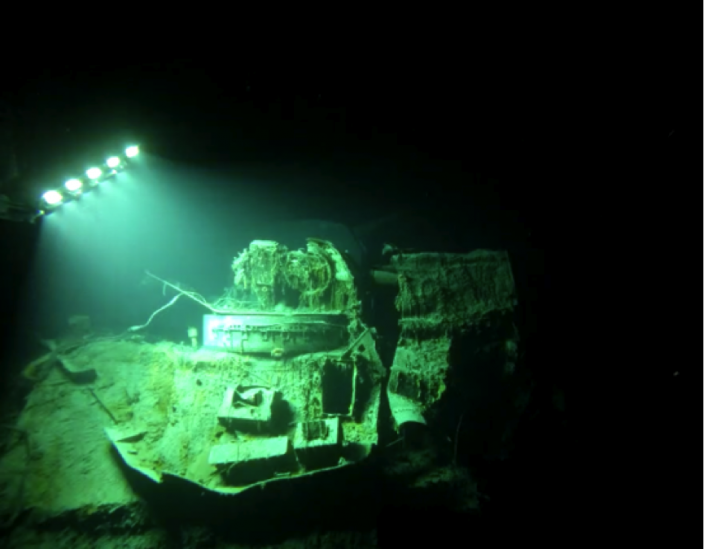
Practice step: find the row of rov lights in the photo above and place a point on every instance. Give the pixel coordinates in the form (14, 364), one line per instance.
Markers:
(74, 187)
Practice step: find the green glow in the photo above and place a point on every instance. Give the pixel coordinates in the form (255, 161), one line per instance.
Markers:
(94, 173)
(73, 184)
(52, 197)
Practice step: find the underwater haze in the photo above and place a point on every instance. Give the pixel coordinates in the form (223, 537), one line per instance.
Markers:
(181, 223)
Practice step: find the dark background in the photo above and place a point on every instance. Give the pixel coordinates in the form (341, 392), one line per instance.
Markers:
(484, 157)
(453, 165)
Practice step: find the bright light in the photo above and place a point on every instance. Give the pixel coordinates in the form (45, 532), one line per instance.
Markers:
(73, 184)
(94, 173)
(52, 197)
(113, 162)
(132, 152)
